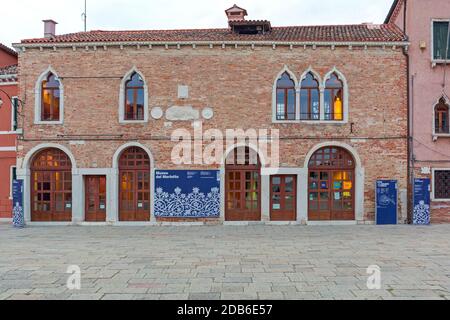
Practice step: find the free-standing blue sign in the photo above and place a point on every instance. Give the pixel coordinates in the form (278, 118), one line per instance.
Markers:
(18, 215)
(421, 201)
(187, 193)
(386, 202)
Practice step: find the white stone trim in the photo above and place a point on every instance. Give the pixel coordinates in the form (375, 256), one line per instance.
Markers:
(114, 183)
(6, 149)
(23, 173)
(433, 171)
(274, 94)
(302, 185)
(11, 168)
(4, 84)
(122, 98)
(78, 176)
(359, 174)
(38, 96)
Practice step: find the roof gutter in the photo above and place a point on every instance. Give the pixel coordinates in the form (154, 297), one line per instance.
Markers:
(23, 46)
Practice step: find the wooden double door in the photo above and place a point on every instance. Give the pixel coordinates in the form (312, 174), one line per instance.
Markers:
(283, 198)
(243, 195)
(331, 195)
(95, 198)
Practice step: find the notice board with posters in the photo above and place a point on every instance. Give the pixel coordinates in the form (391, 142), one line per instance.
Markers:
(422, 201)
(386, 202)
(187, 193)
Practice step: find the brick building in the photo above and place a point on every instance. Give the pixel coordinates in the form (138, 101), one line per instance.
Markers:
(426, 22)
(8, 94)
(101, 108)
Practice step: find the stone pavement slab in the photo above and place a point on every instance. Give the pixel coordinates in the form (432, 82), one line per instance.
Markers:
(225, 262)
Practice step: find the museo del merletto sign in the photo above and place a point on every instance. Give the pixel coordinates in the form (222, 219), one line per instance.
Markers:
(187, 193)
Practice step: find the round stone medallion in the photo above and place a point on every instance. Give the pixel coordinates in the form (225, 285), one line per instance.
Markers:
(207, 113)
(157, 113)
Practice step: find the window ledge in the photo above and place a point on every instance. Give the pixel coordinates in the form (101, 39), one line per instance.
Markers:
(434, 63)
(440, 200)
(49, 122)
(309, 122)
(132, 121)
(440, 135)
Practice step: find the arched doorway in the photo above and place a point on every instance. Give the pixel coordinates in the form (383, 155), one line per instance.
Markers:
(134, 185)
(51, 186)
(331, 185)
(243, 185)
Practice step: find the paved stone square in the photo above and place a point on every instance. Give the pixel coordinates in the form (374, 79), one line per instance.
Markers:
(225, 262)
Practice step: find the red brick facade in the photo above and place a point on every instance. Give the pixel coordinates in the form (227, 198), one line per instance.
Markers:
(237, 83)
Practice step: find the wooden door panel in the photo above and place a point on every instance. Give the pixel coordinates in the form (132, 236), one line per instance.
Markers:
(95, 198)
(283, 198)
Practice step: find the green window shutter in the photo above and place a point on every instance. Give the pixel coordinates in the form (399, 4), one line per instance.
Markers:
(441, 40)
(15, 105)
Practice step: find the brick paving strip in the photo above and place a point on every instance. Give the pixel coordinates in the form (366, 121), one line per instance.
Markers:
(225, 262)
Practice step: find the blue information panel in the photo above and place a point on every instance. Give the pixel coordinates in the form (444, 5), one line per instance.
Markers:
(18, 213)
(187, 193)
(386, 202)
(421, 201)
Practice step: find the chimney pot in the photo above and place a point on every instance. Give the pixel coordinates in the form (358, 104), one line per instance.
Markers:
(49, 28)
(236, 13)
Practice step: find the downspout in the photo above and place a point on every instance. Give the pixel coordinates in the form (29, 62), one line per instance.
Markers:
(410, 160)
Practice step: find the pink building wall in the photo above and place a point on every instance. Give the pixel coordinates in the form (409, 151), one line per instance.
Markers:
(426, 87)
(8, 87)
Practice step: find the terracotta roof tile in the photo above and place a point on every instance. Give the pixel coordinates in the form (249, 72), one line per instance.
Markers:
(338, 33)
(8, 50)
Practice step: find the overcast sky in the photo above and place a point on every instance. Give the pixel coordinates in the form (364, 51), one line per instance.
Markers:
(22, 19)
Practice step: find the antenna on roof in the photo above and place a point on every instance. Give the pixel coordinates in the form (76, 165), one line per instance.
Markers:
(84, 16)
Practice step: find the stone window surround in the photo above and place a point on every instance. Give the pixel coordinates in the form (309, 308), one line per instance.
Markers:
(38, 98)
(434, 61)
(438, 135)
(122, 98)
(433, 198)
(322, 83)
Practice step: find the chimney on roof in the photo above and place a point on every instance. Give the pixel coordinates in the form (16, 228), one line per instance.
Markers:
(49, 28)
(236, 13)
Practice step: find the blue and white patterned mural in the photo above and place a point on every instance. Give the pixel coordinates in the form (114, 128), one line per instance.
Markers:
(187, 193)
(421, 201)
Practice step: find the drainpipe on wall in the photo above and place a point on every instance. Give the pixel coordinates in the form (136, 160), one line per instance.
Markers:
(410, 165)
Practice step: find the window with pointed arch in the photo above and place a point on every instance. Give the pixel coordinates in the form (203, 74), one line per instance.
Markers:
(286, 106)
(441, 118)
(309, 98)
(50, 98)
(334, 97)
(134, 98)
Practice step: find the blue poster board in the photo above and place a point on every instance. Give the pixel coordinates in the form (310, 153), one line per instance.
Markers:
(422, 201)
(18, 213)
(386, 202)
(187, 193)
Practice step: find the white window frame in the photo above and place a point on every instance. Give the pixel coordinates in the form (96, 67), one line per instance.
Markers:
(38, 98)
(122, 98)
(447, 101)
(13, 99)
(322, 82)
(433, 185)
(11, 181)
(433, 60)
